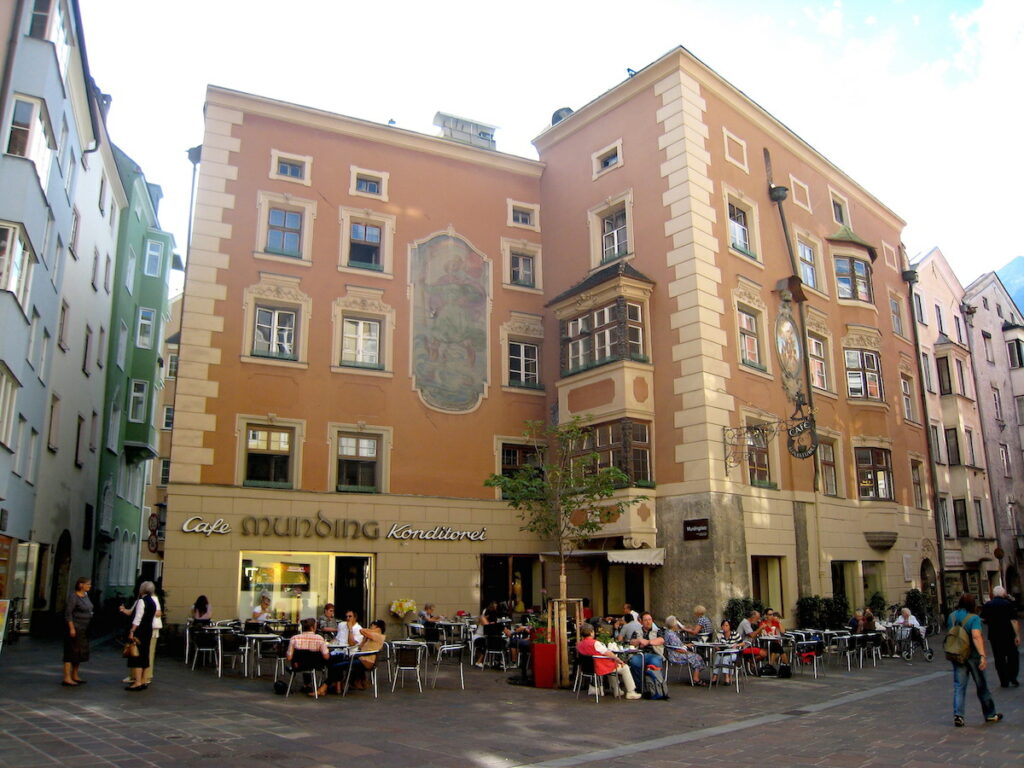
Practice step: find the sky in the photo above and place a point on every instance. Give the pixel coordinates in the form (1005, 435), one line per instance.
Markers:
(919, 101)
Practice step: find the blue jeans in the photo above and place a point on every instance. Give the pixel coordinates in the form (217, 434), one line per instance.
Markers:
(962, 673)
(638, 663)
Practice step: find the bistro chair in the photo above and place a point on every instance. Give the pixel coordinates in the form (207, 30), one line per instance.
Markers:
(495, 645)
(874, 647)
(810, 652)
(728, 661)
(585, 671)
(408, 658)
(231, 646)
(254, 627)
(432, 635)
(452, 653)
(371, 672)
(307, 661)
(207, 645)
(670, 663)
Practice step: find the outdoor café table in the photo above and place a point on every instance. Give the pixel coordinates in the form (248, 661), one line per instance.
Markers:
(708, 649)
(201, 628)
(253, 640)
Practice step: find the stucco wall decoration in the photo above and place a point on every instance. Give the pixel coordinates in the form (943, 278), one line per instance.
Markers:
(450, 291)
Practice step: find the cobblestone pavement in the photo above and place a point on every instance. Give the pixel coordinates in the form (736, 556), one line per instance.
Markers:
(898, 714)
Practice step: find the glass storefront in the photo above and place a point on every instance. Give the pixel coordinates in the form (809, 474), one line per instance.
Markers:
(300, 583)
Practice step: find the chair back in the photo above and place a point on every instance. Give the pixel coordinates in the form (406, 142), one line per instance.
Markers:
(205, 640)
(431, 633)
(494, 642)
(307, 661)
(253, 627)
(586, 663)
(492, 630)
(230, 642)
(407, 656)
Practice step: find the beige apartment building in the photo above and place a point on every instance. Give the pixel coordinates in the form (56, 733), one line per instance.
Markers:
(371, 314)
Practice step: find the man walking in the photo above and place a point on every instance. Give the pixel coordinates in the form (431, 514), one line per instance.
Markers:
(973, 667)
(1000, 614)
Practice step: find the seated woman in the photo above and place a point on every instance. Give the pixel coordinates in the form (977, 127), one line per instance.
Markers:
(490, 615)
(701, 623)
(373, 639)
(680, 653)
(201, 610)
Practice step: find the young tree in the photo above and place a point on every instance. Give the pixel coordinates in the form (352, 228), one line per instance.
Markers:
(564, 494)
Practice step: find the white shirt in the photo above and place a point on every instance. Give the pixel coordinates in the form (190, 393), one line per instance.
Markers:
(140, 607)
(346, 636)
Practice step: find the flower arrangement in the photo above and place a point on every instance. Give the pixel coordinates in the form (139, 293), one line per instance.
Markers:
(401, 607)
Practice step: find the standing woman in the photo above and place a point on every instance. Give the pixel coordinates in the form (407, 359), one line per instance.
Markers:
(142, 633)
(77, 615)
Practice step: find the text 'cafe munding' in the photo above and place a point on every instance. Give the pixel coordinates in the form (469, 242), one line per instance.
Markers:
(236, 549)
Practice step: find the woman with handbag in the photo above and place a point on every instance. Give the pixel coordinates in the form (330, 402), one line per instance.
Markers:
(77, 615)
(140, 636)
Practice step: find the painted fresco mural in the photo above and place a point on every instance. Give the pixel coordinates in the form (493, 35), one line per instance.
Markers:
(450, 282)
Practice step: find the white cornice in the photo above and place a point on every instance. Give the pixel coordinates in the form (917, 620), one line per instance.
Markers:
(385, 134)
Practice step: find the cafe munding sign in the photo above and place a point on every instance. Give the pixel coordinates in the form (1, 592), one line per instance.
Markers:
(294, 526)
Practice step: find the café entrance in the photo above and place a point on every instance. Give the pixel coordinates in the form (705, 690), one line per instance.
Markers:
(300, 583)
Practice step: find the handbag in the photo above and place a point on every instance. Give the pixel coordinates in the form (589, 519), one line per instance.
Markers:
(131, 649)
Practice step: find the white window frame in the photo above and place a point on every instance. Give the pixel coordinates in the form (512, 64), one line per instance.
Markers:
(278, 156)
(305, 208)
(752, 251)
(997, 403)
(154, 259)
(907, 397)
(383, 179)
(812, 266)
(138, 400)
(9, 386)
(168, 419)
(40, 144)
(386, 222)
(519, 352)
(297, 427)
(819, 360)
(277, 292)
(145, 340)
(384, 437)
(867, 373)
(521, 247)
(17, 263)
(595, 221)
(601, 161)
(276, 313)
(749, 327)
(357, 342)
(518, 207)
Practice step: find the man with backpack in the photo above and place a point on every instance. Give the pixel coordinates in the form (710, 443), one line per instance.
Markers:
(965, 648)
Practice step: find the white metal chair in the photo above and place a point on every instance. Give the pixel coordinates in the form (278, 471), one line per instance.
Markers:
(455, 653)
(670, 662)
(408, 658)
(371, 672)
(726, 662)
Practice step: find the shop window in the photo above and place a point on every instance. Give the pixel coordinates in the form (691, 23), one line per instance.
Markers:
(874, 474)
(863, 375)
(613, 332)
(358, 462)
(268, 456)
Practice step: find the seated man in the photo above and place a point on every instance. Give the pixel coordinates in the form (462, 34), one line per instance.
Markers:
(307, 640)
(605, 661)
(749, 630)
(327, 624)
(627, 628)
(652, 643)
(373, 639)
(427, 615)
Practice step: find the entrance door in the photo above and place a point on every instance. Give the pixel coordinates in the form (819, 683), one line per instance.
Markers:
(352, 578)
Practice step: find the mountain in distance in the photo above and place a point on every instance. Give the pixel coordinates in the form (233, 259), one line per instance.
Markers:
(1012, 275)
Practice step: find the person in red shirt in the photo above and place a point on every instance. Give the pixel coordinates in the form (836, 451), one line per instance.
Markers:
(605, 662)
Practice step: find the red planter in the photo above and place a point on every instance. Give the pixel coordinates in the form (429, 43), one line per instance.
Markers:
(544, 656)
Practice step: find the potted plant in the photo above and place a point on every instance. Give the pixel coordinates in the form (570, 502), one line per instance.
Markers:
(543, 655)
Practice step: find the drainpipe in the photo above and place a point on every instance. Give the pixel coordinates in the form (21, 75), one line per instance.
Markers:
(910, 278)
